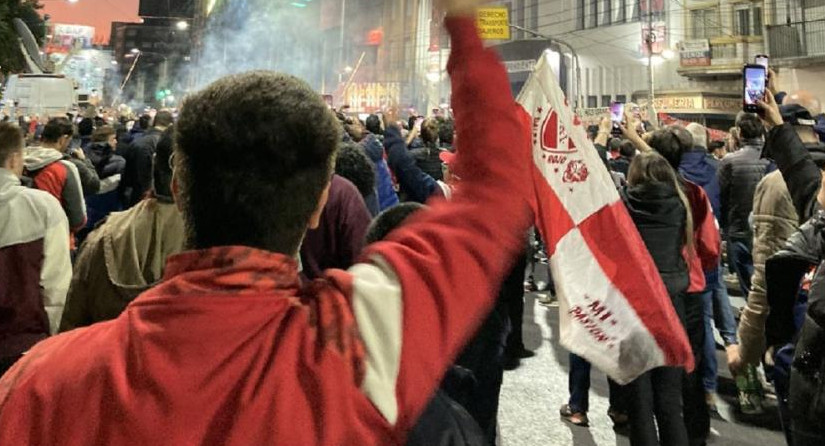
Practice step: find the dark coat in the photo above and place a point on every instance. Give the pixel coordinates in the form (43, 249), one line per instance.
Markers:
(739, 173)
(103, 158)
(137, 176)
(427, 159)
(659, 215)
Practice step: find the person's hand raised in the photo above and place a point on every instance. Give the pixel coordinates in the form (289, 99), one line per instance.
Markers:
(770, 110)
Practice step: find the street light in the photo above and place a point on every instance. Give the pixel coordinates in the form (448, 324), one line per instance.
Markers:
(183, 25)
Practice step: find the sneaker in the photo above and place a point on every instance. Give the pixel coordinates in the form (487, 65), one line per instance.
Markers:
(576, 418)
(546, 299)
(710, 399)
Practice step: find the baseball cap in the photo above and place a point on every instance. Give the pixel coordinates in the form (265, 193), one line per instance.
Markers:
(447, 157)
(796, 114)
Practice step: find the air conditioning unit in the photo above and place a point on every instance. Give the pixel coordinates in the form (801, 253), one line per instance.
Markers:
(785, 41)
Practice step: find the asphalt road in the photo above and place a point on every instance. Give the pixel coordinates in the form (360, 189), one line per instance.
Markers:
(532, 394)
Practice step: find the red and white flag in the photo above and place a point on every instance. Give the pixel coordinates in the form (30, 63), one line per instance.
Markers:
(614, 308)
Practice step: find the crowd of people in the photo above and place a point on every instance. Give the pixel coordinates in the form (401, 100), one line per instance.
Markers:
(257, 268)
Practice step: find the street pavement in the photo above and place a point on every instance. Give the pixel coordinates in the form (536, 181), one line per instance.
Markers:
(532, 394)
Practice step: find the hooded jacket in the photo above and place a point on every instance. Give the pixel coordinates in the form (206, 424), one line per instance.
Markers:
(104, 160)
(659, 215)
(51, 173)
(739, 173)
(122, 258)
(699, 167)
(35, 268)
(428, 160)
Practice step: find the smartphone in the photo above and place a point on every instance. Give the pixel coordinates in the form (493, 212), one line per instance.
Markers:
(763, 60)
(617, 116)
(755, 81)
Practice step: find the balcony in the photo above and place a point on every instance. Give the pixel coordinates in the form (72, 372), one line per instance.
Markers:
(724, 57)
(798, 43)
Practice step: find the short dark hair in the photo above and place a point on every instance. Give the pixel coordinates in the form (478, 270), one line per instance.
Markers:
(671, 142)
(255, 152)
(86, 127)
(55, 129)
(446, 131)
(144, 122)
(374, 124)
(715, 145)
(163, 119)
(627, 148)
(101, 134)
(162, 173)
(750, 126)
(592, 131)
(353, 164)
(391, 219)
(429, 131)
(11, 141)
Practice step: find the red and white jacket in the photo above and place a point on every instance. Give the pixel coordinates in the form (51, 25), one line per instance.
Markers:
(231, 350)
(35, 269)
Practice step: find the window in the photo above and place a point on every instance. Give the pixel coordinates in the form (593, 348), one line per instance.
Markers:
(607, 12)
(622, 12)
(606, 100)
(592, 101)
(747, 19)
(594, 14)
(581, 9)
(621, 98)
(705, 23)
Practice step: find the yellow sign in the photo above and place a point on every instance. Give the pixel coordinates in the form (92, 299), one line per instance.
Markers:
(494, 23)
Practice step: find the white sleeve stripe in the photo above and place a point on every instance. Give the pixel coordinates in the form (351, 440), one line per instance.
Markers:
(56, 272)
(377, 306)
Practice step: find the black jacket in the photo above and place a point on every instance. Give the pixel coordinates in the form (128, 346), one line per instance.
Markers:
(620, 165)
(103, 158)
(794, 160)
(660, 217)
(137, 176)
(427, 159)
(89, 181)
(739, 173)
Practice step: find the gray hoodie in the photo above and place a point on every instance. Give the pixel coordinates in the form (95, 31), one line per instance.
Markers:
(59, 177)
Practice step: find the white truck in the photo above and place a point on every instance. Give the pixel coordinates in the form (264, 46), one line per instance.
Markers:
(41, 94)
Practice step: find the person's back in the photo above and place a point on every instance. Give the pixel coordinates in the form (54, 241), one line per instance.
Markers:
(122, 258)
(230, 348)
(739, 173)
(137, 176)
(34, 256)
(700, 168)
(658, 211)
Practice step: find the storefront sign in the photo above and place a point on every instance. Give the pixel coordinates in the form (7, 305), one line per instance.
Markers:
(695, 53)
(657, 36)
(494, 23)
(519, 66)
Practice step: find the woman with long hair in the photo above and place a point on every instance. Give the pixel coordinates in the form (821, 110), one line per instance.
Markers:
(660, 209)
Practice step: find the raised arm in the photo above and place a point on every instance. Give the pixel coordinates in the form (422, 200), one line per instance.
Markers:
(421, 293)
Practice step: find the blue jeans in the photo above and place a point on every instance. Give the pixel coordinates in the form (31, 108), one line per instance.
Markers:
(739, 257)
(718, 311)
(579, 386)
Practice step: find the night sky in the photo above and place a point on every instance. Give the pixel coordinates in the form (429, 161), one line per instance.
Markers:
(97, 13)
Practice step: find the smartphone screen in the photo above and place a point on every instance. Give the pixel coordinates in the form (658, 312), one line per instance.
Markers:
(755, 82)
(762, 60)
(617, 112)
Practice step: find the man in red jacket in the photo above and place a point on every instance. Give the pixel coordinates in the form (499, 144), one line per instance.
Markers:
(230, 349)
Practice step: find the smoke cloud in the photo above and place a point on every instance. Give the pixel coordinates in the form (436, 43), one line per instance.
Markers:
(244, 35)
